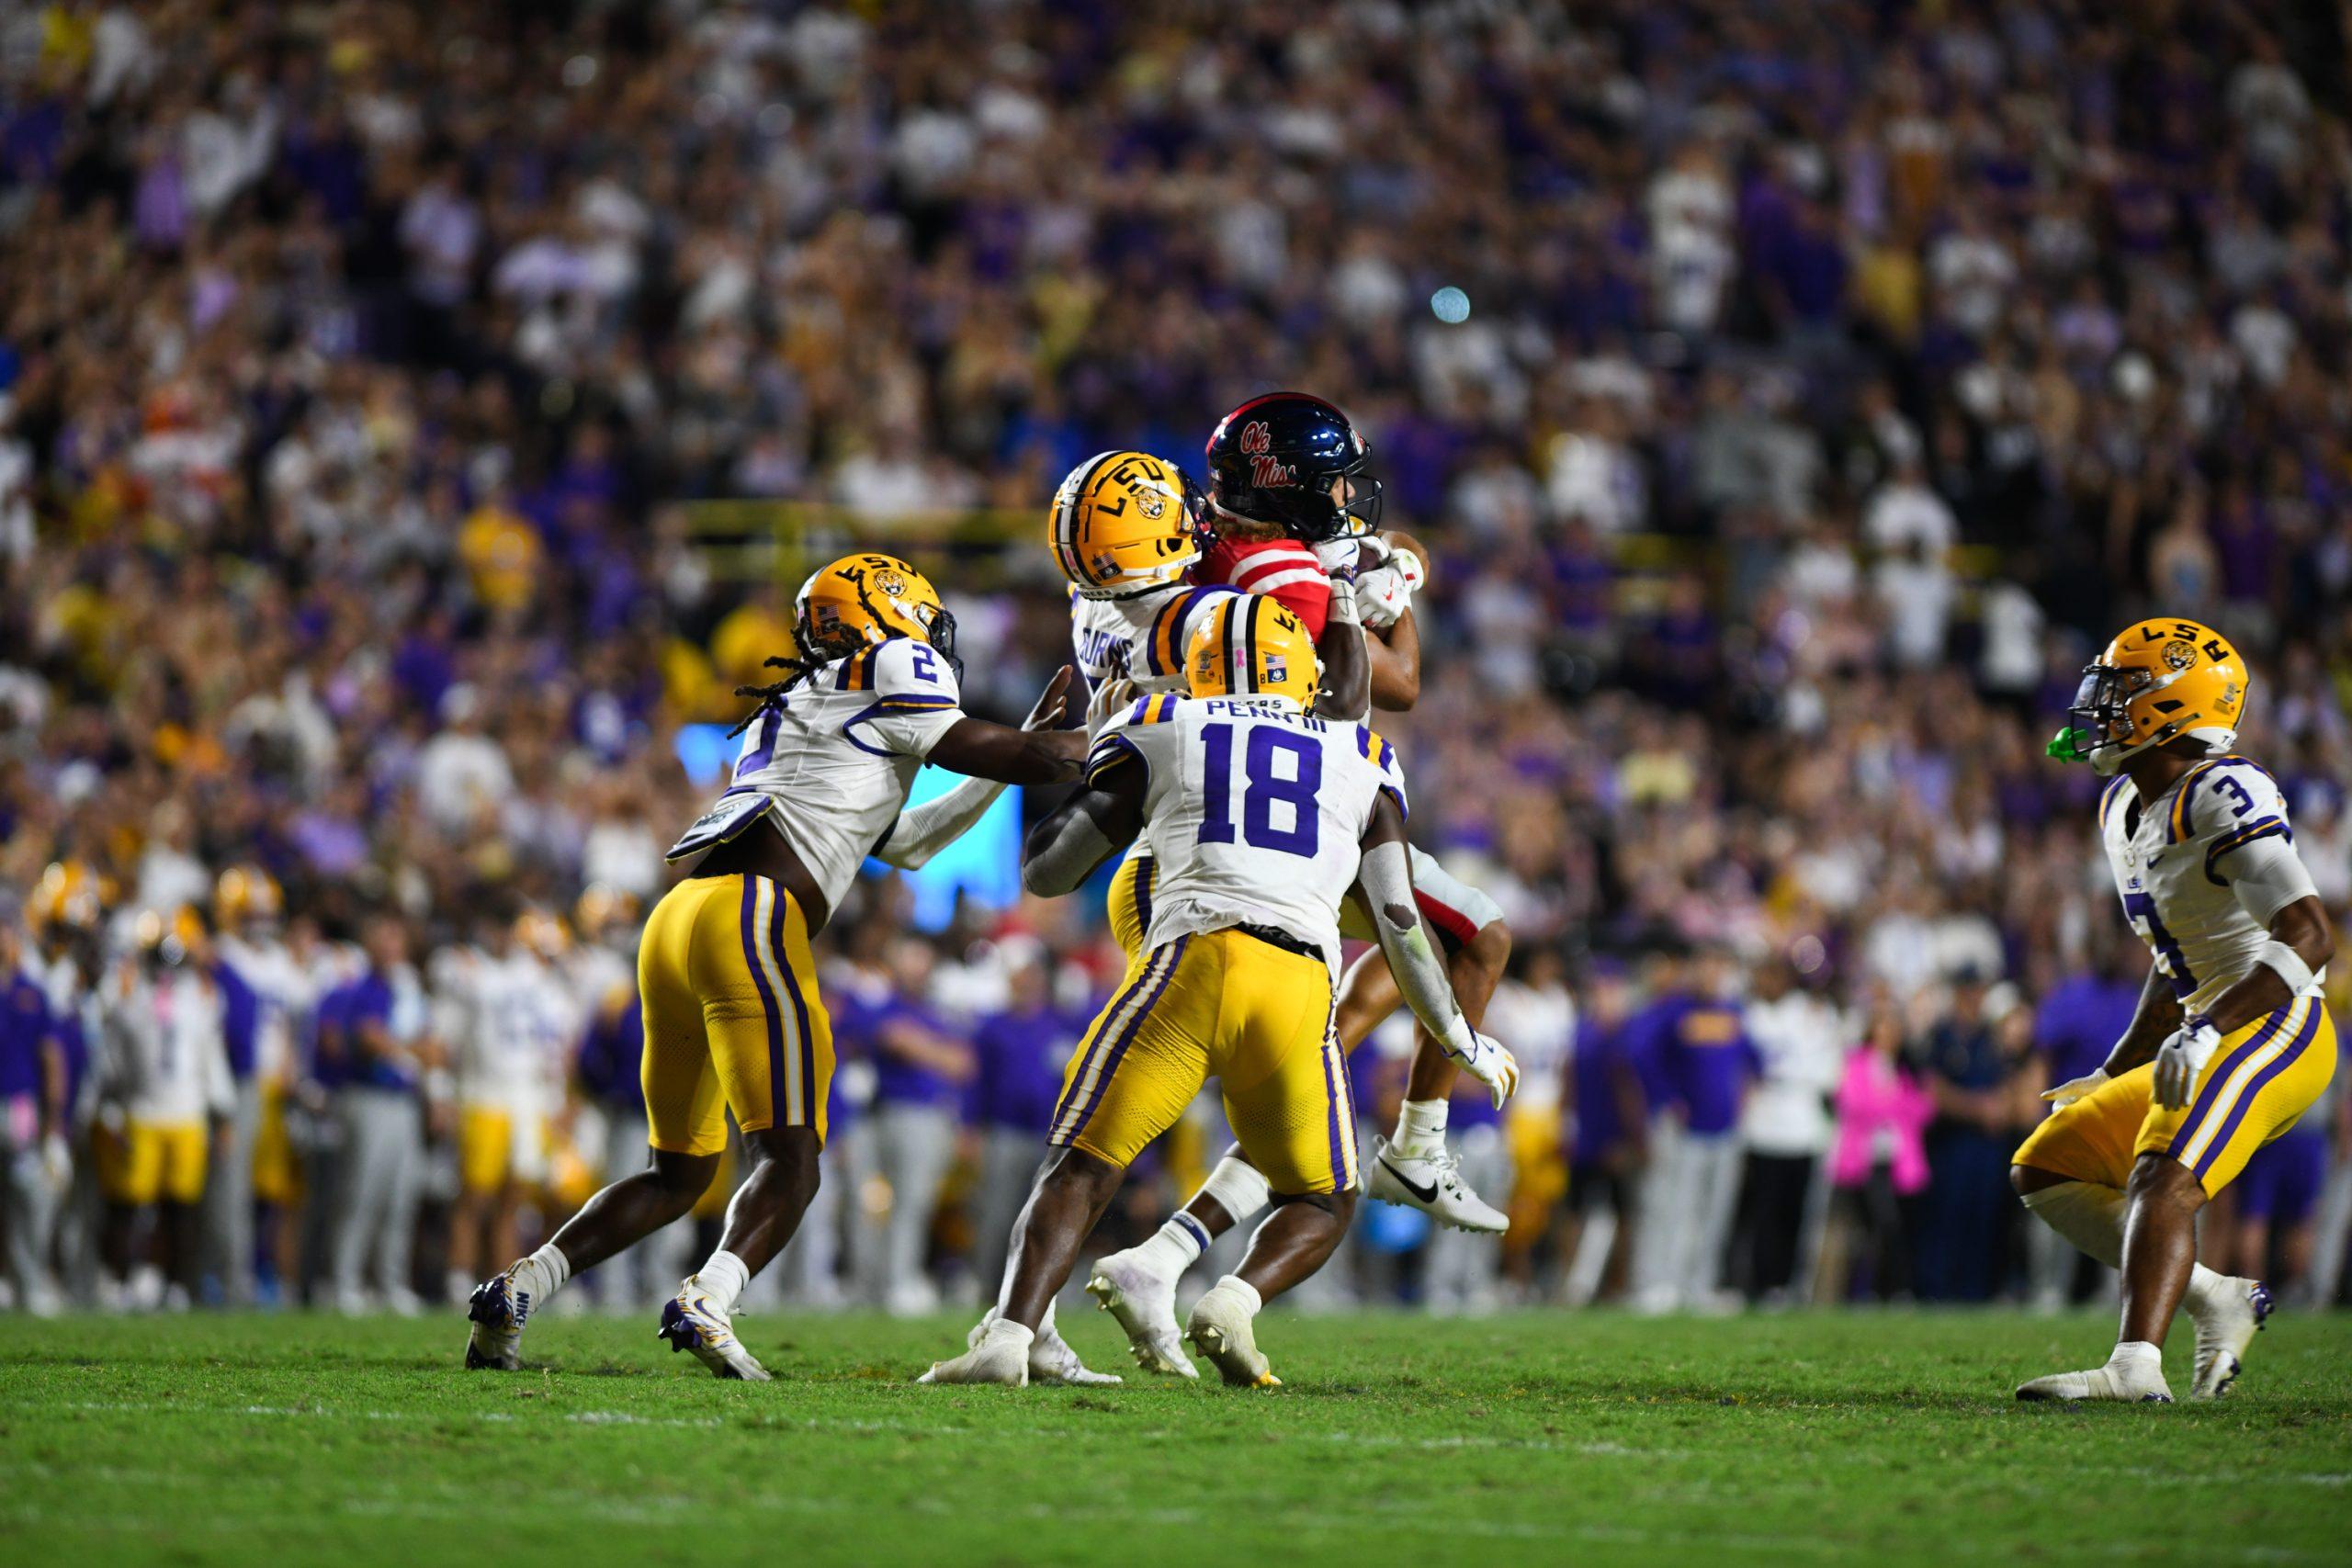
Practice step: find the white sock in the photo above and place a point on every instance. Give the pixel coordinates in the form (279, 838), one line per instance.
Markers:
(723, 1278)
(2207, 1290)
(1419, 1123)
(1005, 1328)
(2091, 1216)
(1174, 1246)
(1238, 1187)
(1245, 1290)
(2137, 1356)
(544, 1273)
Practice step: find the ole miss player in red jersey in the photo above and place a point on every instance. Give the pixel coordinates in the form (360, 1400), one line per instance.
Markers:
(1294, 514)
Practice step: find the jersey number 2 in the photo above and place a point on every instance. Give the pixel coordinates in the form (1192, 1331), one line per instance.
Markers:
(1263, 788)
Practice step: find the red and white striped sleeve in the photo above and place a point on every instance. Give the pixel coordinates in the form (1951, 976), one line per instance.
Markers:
(1284, 570)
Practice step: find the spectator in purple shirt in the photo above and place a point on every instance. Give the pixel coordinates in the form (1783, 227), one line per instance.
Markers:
(920, 1065)
(1019, 1053)
(1705, 1062)
(1609, 1115)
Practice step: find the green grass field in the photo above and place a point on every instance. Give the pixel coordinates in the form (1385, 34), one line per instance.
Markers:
(1540, 1438)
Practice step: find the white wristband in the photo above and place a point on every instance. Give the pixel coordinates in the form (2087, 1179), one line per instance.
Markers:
(1342, 608)
(2286, 962)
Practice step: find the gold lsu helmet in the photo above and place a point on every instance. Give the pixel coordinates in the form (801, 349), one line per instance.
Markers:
(69, 894)
(1125, 522)
(867, 598)
(247, 893)
(1249, 644)
(542, 932)
(2157, 682)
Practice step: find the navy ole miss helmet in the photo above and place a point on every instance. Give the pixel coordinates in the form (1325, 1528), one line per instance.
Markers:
(1274, 458)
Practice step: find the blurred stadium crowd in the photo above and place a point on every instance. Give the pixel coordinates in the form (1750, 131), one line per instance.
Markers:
(1794, 398)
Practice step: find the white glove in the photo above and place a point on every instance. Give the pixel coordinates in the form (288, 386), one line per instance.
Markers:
(1351, 555)
(2073, 1089)
(1386, 592)
(1489, 1060)
(2181, 1058)
(1107, 701)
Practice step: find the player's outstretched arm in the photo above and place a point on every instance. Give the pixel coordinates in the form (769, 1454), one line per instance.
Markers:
(1083, 831)
(1025, 756)
(922, 831)
(1386, 877)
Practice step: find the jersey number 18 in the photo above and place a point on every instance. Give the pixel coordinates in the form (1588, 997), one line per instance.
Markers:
(1263, 788)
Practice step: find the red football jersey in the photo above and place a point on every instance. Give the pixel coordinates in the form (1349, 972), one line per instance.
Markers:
(1284, 570)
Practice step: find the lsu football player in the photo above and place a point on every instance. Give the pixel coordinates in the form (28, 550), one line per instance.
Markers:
(166, 1096)
(513, 1022)
(1262, 816)
(1290, 488)
(2232, 1041)
(733, 1021)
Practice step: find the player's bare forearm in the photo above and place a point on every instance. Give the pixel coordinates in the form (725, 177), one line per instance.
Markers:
(1085, 830)
(2302, 926)
(2157, 1016)
(1395, 657)
(1347, 689)
(986, 751)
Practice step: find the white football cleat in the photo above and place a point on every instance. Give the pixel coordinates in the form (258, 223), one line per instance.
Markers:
(1222, 1329)
(1430, 1180)
(998, 1353)
(496, 1311)
(2110, 1381)
(1052, 1359)
(1143, 1301)
(2223, 1332)
(692, 1321)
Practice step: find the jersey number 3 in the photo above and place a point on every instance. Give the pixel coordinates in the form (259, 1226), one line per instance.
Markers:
(1263, 789)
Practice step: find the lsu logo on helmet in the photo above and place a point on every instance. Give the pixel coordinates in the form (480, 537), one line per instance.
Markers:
(1125, 522)
(2158, 681)
(1249, 645)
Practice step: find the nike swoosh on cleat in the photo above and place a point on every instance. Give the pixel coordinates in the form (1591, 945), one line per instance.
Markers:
(1426, 1194)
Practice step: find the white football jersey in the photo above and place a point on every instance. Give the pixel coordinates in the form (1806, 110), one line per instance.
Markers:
(517, 1029)
(167, 1045)
(2170, 860)
(833, 758)
(1256, 813)
(1141, 639)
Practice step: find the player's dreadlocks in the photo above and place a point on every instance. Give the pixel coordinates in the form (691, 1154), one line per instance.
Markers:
(772, 694)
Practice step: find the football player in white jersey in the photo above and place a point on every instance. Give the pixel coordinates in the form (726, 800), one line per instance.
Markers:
(732, 1016)
(1127, 531)
(2232, 1041)
(166, 1091)
(512, 1022)
(1263, 817)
